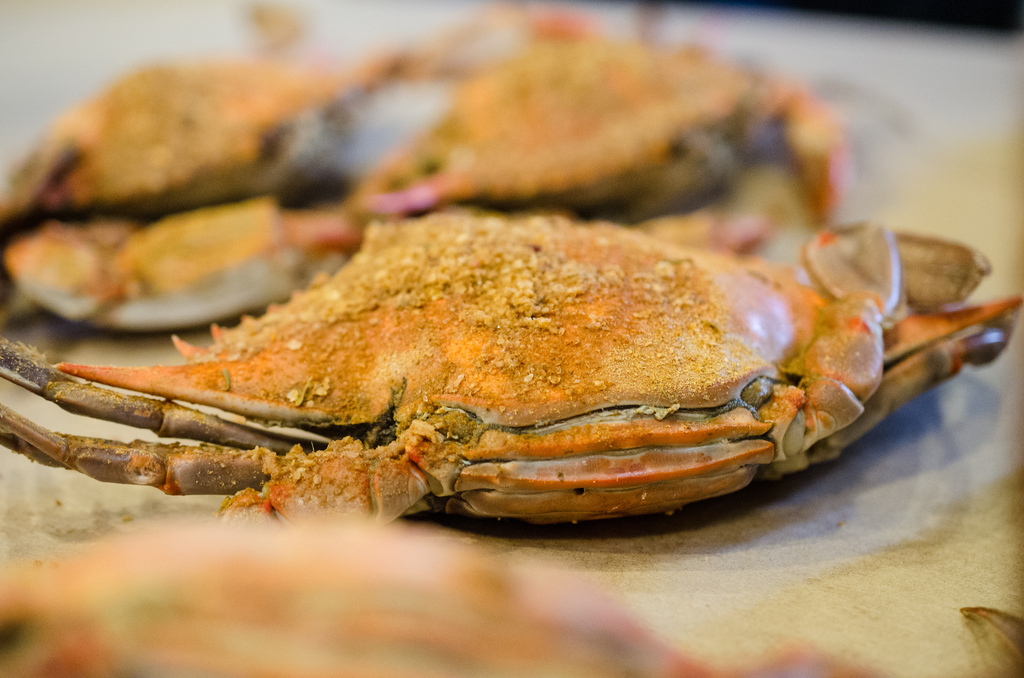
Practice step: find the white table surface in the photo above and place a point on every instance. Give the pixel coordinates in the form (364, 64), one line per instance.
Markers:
(869, 557)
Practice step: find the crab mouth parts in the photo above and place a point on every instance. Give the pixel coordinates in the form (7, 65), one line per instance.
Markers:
(630, 482)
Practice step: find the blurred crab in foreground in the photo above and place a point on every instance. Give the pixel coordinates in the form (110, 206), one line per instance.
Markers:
(319, 600)
(537, 369)
(606, 128)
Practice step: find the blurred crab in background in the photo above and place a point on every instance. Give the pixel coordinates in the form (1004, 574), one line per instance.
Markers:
(178, 136)
(317, 600)
(127, 213)
(608, 128)
(182, 270)
(535, 368)
(556, 115)
(174, 138)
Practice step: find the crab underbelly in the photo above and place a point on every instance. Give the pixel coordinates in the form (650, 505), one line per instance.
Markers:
(611, 468)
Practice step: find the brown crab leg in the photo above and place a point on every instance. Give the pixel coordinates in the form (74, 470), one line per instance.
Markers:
(13, 442)
(24, 367)
(173, 468)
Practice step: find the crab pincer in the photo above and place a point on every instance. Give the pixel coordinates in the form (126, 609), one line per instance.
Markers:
(539, 369)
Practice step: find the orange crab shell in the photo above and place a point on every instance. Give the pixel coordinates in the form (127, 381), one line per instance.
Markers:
(498, 328)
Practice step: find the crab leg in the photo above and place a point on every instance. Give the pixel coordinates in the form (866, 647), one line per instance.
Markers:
(23, 367)
(173, 468)
(917, 331)
(13, 442)
(337, 480)
(982, 334)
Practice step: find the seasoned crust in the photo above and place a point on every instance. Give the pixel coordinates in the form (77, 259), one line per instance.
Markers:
(519, 320)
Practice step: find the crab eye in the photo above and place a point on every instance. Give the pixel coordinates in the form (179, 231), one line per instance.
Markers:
(757, 392)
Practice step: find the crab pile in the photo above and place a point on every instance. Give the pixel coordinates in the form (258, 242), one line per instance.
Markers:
(498, 320)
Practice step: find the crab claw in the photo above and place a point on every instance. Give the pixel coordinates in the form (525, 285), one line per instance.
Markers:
(921, 272)
(938, 272)
(863, 257)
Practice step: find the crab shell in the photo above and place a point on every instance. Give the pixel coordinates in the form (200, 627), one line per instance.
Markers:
(608, 128)
(176, 136)
(532, 368)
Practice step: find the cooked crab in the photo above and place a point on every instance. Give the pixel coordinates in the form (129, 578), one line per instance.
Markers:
(325, 600)
(183, 270)
(534, 368)
(608, 128)
(183, 135)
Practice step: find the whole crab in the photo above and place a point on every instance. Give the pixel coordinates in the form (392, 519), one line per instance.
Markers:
(538, 369)
(608, 128)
